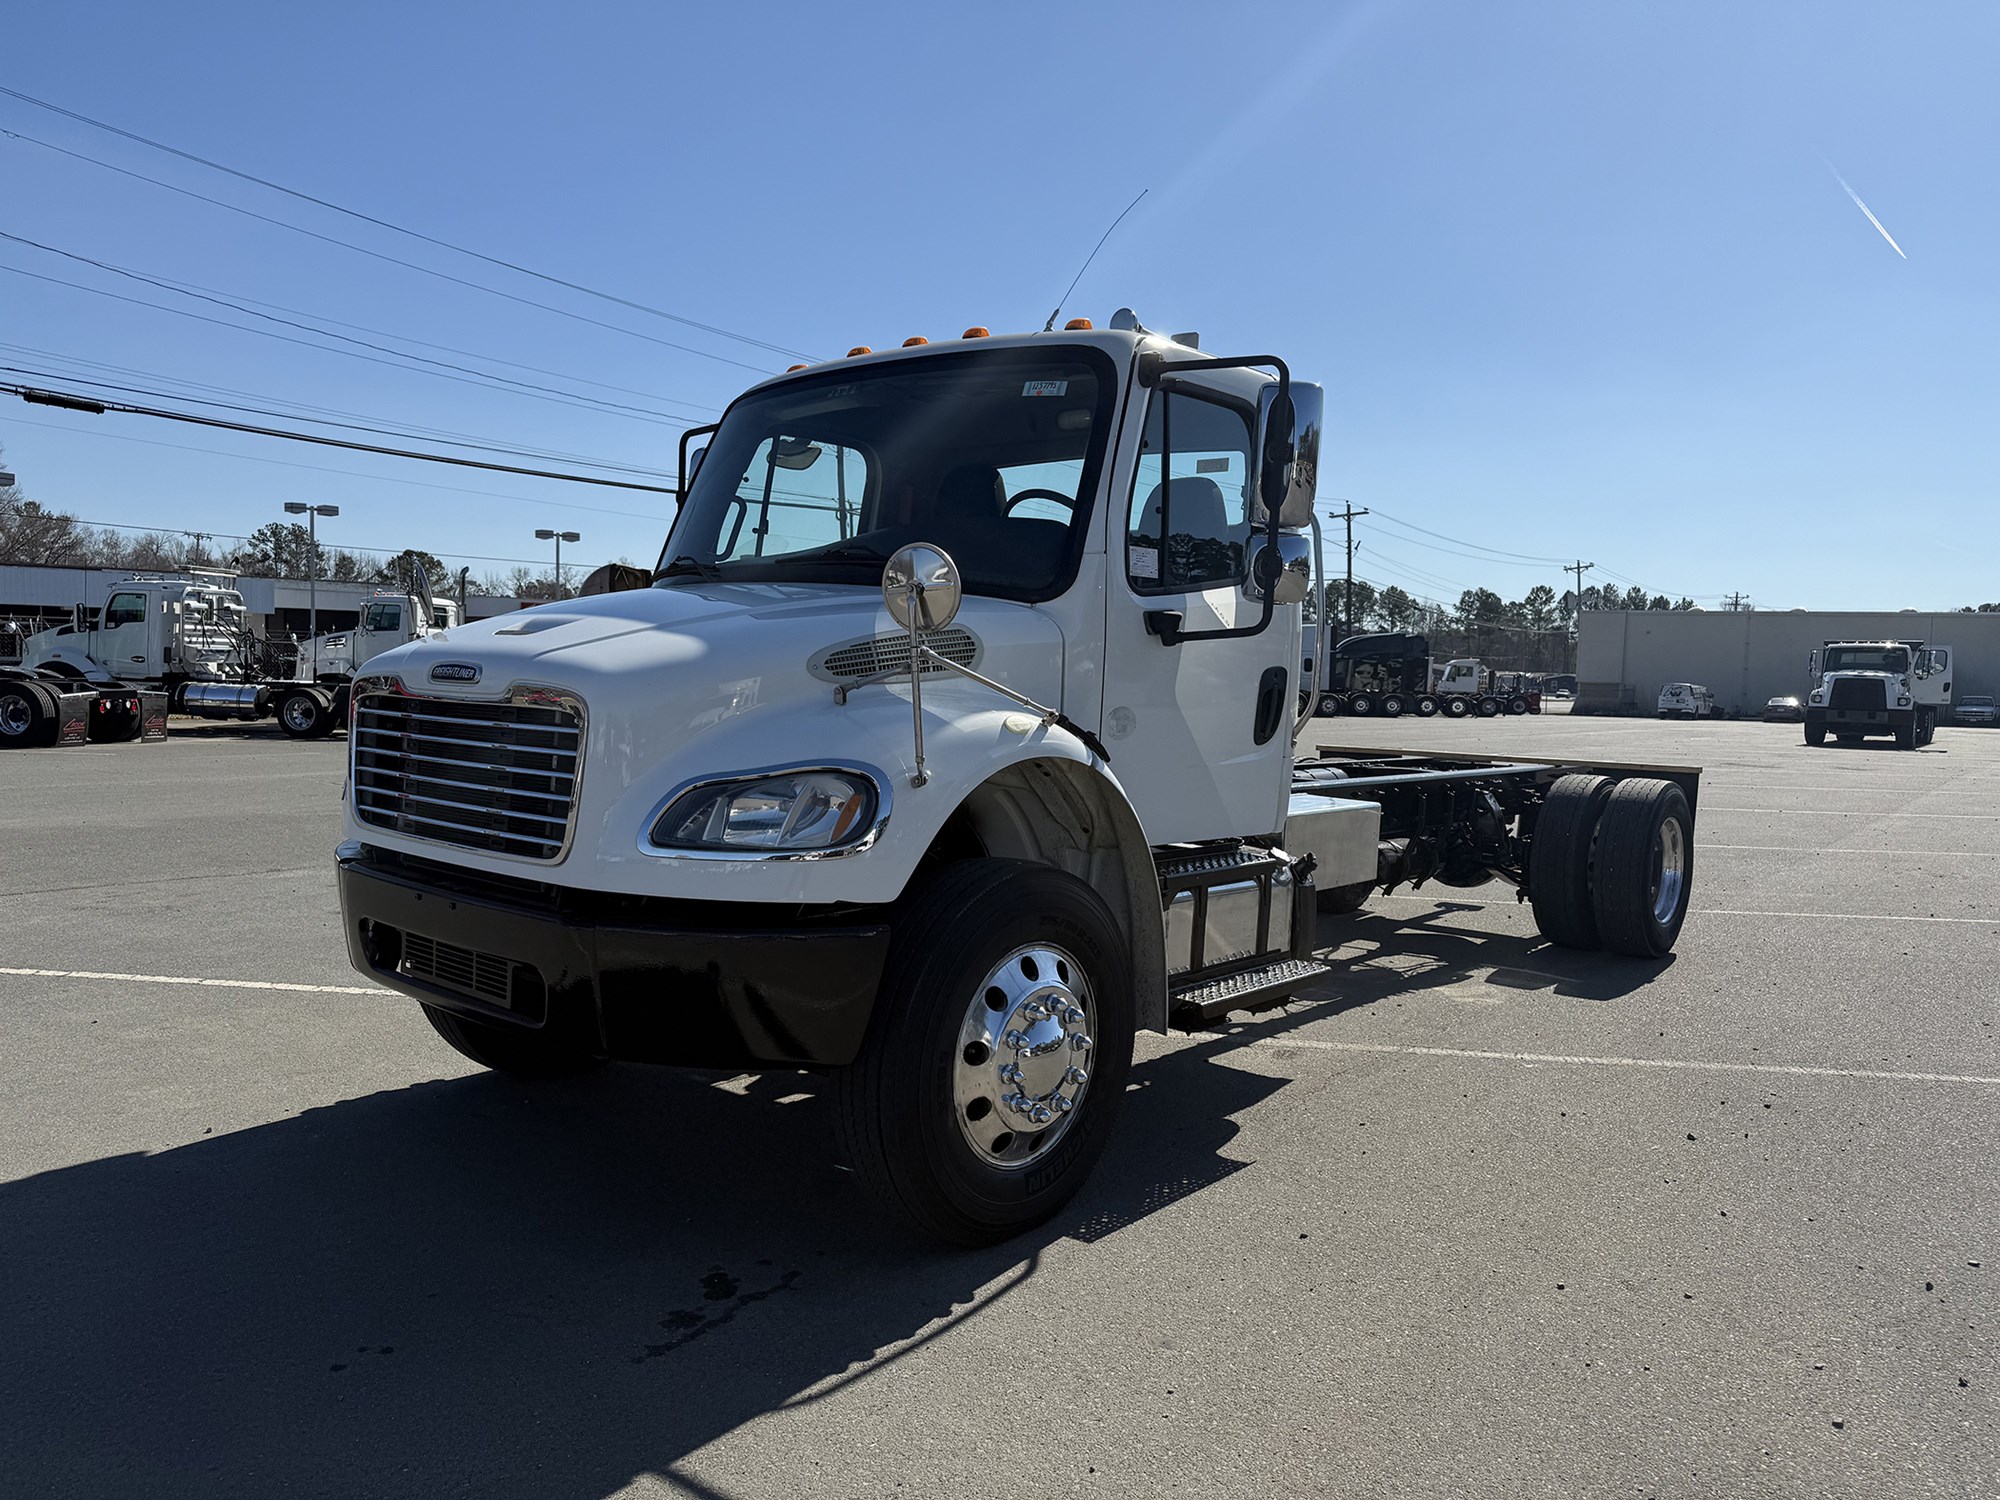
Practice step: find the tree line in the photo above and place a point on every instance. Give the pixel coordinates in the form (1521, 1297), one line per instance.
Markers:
(1534, 633)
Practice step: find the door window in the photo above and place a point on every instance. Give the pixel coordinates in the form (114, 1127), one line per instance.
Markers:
(1189, 518)
(383, 617)
(125, 609)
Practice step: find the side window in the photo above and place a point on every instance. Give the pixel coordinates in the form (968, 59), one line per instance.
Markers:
(383, 617)
(796, 495)
(125, 609)
(1189, 524)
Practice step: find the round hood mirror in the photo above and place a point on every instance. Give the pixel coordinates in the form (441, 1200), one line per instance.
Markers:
(920, 585)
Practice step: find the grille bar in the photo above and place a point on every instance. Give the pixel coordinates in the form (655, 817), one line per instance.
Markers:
(510, 781)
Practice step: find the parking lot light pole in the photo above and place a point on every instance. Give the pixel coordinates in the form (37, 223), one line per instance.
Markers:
(312, 513)
(543, 534)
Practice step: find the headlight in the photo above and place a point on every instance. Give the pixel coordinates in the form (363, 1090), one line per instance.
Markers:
(802, 810)
(1817, 695)
(1903, 701)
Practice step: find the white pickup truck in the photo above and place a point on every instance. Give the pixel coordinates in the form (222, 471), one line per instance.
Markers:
(951, 746)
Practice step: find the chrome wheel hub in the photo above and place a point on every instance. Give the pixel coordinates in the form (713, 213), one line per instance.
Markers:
(16, 718)
(1669, 869)
(1024, 1055)
(298, 712)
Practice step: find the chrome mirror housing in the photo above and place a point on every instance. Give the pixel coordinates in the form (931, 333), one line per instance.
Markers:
(921, 587)
(1287, 571)
(1308, 416)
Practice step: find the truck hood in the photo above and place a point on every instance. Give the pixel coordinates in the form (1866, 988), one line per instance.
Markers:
(661, 669)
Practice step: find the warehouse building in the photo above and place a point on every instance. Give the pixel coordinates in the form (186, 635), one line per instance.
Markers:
(1624, 657)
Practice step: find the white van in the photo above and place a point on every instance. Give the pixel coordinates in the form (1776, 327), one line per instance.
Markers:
(1688, 700)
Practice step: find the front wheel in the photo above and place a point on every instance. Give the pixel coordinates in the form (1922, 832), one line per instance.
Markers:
(1815, 734)
(1489, 708)
(1456, 707)
(514, 1050)
(302, 716)
(996, 1059)
(1517, 705)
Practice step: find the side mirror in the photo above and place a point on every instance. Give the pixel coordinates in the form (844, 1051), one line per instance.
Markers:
(1283, 571)
(694, 465)
(921, 587)
(1289, 481)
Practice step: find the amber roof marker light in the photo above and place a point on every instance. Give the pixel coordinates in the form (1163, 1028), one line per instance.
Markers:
(975, 332)
(914, 340)
(859, 349)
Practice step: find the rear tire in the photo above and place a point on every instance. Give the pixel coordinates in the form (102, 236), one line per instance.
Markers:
(1427, 706)
(1489, 708)
(1392, 705)
(1455, 706)
(515, 1051)
(1362, 705)
(1559, 863)
(1645, 868)
(1517, 705)
(924, 1109)
(1329, 706)
(1341, 899)
(27, 715)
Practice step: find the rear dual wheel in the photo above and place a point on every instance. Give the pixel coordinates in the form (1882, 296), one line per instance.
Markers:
(27, 714)
(1456, 706)
(1612, 865)
(1489, 707)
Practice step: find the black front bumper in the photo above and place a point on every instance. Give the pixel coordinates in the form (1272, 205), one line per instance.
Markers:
(646, 981)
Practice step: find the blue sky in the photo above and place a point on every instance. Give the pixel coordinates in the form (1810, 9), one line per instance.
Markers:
(1578, 278)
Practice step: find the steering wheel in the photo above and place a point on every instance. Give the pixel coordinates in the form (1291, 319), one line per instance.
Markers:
(1067, 502)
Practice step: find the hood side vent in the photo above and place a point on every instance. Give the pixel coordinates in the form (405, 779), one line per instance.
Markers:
(891, 653)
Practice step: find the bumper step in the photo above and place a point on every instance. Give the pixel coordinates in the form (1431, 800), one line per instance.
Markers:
(1253, 989)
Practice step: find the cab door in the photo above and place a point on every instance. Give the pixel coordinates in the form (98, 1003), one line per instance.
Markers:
(120, 639)
(381, 629)
(1190, 726)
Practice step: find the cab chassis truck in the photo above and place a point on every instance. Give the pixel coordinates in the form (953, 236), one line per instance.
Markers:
(952, 745)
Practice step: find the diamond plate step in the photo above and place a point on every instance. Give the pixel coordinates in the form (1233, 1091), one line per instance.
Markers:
(1249, 990)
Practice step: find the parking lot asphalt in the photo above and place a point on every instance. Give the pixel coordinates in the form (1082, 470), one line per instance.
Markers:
(1480, 1217)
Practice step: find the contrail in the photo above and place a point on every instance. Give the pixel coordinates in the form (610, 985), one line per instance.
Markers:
(1865, 209)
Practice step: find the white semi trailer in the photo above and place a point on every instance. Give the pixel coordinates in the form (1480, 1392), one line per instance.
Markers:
(185, 641)
(952, 744)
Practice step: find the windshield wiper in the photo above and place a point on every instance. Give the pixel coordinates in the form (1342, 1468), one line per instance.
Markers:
(854, 551)
(688, 564)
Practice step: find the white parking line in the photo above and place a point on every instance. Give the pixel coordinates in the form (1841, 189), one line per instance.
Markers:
(1814, 849)
(224, 984)
(1831, 812)
(1672, 1064)
(1728, 911)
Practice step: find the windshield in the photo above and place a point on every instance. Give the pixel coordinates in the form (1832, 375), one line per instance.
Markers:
(990, 454)
(1867, 659)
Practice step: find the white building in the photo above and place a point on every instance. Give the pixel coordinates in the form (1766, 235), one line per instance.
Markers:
(1624, 657)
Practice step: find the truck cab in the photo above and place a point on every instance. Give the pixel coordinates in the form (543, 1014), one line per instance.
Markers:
(387, 620)
(951, 744)
(1863, 689)
(152, 629)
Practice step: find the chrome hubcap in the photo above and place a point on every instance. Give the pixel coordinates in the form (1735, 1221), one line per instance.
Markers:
(1669, 869)
(298, 713)
(15, 717)
(1024, 1055)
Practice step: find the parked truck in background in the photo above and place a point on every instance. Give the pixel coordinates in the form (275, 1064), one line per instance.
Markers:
(1872, 688)
(951, 745)
(1390, 674)
(185, 640)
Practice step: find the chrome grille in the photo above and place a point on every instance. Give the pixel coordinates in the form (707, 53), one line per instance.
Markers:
(495, 776)
(891, 653)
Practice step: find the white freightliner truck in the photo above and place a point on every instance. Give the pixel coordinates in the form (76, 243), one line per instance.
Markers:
(1861, 688)
(184, 642)
(951, 745)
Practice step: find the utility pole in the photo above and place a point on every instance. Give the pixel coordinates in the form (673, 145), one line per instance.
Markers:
(1735, 602)
(1347, 610)
(197, 537)
(312, 513)
(1579, 567)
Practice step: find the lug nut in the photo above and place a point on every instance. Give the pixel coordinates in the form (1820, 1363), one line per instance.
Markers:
(1076, 1075)
(1041, 1114)
(1017, 1102)
(1079, 1043)
(1072, 1016)
(1034, 1010)
(1011, 1073)
(1064, 1104)
(1016, 1040)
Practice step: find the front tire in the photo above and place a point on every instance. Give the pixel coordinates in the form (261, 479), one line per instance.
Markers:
(1815, 734)
(1489, 708)
(1456, 707)
(514, 1050)
(1645, 868)
(996, 1059)
(1517, 705)
(303, 717)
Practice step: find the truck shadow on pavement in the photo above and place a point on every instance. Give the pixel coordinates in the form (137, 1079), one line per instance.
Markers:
(471, 1286)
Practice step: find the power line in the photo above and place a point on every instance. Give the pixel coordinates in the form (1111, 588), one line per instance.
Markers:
(485, 383)
(1504, 562)
(67, 401)
(285, 463)
(381, 256)
(1443, 537)
(258, 411)
(491, 260)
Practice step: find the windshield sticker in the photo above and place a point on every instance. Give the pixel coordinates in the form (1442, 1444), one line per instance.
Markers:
(1045, 388)
(1142, 562)
(1211, 466)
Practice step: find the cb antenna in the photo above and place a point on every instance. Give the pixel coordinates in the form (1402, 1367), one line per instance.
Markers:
(1089, 258)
